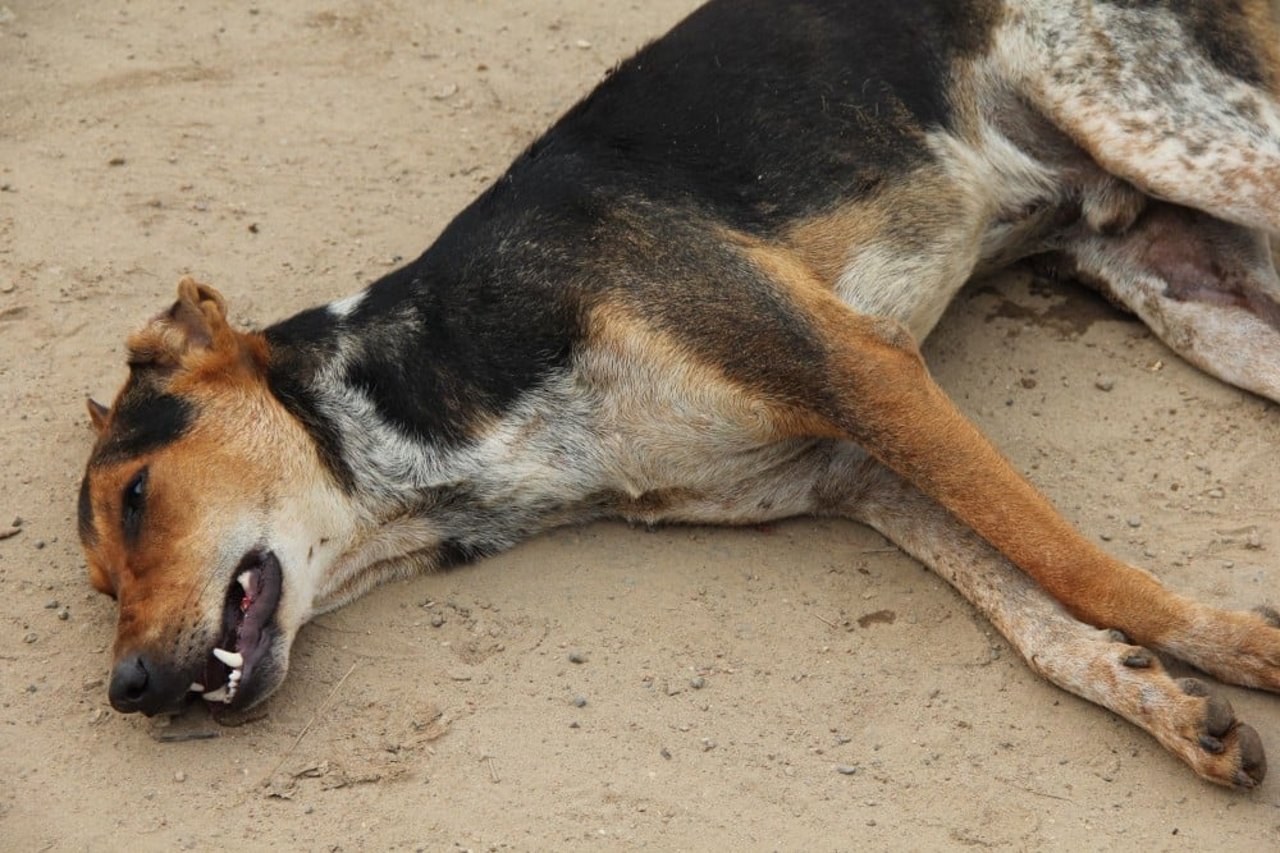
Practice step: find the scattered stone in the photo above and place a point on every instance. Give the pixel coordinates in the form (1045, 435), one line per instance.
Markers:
(1028, 383)
(18, 521)
(308, 809)
(577, 657)
(1104, 383)
(179, 776)
(708, 744)
(1253, 541)
(253, 228)
(583, 44)
(575, 725)
(445, 93)
(1217, 493)
(92, 683)
(30, 638)
(40, 543)
(1105, 536)
(116, 161)
(7, 287)
(51, 604)
(846, 769)
(437, 620)
(697, 682)
(665, 753)
(579, 701)
(1135, 522)
(64, 614)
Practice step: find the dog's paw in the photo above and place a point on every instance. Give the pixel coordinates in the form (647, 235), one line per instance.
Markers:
(1218, 747)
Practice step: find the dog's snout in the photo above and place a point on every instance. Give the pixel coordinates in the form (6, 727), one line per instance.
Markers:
(139, 684)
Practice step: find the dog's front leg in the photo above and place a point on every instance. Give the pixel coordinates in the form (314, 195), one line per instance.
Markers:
(1098, 665)
(879, 394)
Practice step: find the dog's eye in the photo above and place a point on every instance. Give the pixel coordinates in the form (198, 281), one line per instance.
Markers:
(132, 505)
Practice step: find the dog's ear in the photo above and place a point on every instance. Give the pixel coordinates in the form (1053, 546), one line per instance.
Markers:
(97, 415)
(196, 323)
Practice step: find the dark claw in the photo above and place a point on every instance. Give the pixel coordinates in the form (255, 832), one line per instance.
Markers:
(1253, 759)
(1219, 717)
(1211, 744)
(1192, 687)
(1138, 660)
(1270, 614)
(1117, 636)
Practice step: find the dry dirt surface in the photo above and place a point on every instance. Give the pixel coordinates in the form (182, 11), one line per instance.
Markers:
(802, 686)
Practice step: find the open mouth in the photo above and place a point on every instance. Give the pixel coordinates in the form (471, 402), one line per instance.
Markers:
(251, 602)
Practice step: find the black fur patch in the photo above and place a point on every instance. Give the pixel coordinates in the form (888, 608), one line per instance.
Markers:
(769, 111)
(143, 420)
(84, 513)
(298, 346)
(461, 333)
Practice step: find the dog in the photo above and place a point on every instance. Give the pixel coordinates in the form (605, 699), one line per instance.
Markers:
(697, 299)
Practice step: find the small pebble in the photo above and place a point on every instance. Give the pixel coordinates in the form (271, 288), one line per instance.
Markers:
(40, 543)
(579, 701)
(92, 683)
(1104, 536)
(308, 809)
(17, 521)
(577, 657)
(1104, 383)
(436, 620)
(575, 725)
(179, 776)
(30, 638)
(708, 744)
(846, 769)
(1217, 493)
(51, 604)
(64, 614)
(1135, 522)
(665, 753)
(697, 682)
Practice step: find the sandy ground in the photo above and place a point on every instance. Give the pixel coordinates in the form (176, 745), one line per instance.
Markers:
(290, 153)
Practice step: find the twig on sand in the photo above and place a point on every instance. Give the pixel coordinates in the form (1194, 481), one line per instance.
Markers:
(323, 707)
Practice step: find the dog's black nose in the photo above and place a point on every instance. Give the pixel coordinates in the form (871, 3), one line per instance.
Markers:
(137, 685)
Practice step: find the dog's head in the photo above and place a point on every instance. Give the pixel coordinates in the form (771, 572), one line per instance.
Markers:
(190, 514)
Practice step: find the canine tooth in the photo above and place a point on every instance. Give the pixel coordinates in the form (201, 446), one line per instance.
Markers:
(219, 695)
(235, 660)
(234, 678)
(246, 583)
(196, 687)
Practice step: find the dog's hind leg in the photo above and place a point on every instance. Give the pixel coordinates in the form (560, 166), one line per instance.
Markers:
(1176, 98)
(1098, 665)
(1207, 288)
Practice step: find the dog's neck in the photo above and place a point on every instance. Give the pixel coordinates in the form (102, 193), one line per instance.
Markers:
(445, 449)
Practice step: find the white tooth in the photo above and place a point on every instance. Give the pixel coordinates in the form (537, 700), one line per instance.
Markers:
(219, 695)
(235, 660)
(234, 678)
(196, 687)
(246, 582)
